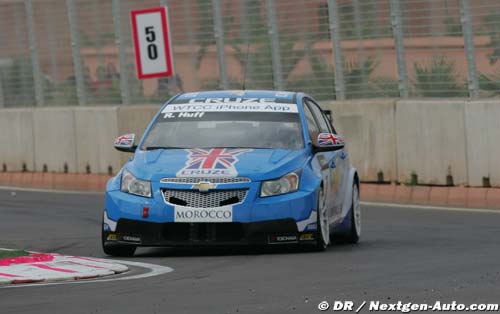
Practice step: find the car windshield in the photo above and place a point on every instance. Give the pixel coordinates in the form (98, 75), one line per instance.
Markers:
(274, 130)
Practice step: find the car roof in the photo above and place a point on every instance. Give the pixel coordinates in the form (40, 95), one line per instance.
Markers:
(281, 95)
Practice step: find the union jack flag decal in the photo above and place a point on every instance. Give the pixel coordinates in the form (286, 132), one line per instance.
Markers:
(125, 140)
(212, 162)
(329, 139)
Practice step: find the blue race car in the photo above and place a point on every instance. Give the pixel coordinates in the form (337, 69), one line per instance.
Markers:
(233, 168)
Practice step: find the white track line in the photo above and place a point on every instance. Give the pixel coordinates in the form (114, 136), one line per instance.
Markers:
(155, 270)
(15, 188)
(425, 207)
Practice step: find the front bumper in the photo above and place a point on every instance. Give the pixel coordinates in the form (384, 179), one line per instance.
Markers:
(285, 218)
(297, 205)
(141, 233)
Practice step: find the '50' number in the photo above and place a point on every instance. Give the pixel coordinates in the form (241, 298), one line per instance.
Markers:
(150, 38)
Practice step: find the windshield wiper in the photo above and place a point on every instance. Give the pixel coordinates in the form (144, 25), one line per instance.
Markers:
(254, 147)
(161, 147)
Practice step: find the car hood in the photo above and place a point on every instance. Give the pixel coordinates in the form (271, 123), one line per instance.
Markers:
(256, 164)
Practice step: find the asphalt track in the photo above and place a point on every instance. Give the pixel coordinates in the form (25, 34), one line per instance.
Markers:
(412, 255)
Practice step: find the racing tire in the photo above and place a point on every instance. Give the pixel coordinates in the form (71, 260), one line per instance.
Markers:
(322, 223)
(118, 250)
(353, 234)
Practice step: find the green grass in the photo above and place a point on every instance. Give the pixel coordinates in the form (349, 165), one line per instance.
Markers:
(13, 253)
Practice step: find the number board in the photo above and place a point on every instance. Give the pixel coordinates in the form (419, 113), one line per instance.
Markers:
(153, 51)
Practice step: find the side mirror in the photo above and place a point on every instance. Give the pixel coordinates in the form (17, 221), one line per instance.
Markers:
(328, 114)
(126, 143)
(328, 142)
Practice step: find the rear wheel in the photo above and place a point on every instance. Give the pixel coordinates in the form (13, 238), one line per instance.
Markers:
(322, 224)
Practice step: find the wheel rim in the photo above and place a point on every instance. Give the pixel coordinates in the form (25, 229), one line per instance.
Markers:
(323, 219)
(356, 210)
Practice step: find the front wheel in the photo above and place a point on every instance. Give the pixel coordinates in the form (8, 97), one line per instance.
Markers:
(322, 224)
(355, 230)
(119, 250)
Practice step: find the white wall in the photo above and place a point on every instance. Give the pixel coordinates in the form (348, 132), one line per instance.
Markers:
(368, 128)
(96, 130)
(73, 136)
(432, 138)
(16, 139)
(482, 122)
(54, 139)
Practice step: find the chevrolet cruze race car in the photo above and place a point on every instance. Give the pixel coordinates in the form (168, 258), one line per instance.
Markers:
(233, 168)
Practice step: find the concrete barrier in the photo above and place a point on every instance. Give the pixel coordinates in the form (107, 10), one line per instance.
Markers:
(431, 138)
(368, 127)
(96, 130)
(71, 136)
(135, 119)
(16, 139)
(430, 141)
(55, 139)
(482, 120)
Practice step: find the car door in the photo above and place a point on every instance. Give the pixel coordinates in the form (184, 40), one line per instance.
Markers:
(325, 159)
(337, 162)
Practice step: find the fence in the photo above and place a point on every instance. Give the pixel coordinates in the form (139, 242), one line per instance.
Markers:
(79, 52)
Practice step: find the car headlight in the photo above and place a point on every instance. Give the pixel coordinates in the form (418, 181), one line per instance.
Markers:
(286, 184)
(132, 185)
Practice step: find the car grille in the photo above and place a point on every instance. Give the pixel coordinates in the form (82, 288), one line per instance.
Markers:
(215, 180)
(210, 199)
